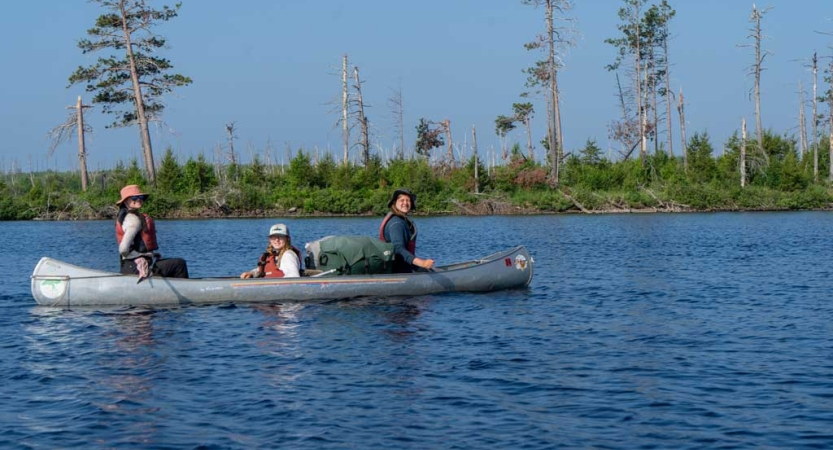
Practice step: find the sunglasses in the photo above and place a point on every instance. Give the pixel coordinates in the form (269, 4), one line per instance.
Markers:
(138, 198)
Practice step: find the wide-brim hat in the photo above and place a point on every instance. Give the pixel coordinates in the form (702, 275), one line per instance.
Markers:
(278, 229)
(129, 191)
(399, 192)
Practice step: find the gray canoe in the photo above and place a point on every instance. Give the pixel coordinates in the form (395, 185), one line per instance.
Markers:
(56, 283)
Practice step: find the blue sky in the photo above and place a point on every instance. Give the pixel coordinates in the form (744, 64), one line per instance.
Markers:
(272, 68)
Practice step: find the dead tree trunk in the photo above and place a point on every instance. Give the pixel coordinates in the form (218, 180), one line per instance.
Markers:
(553, 113)
(755, 18)
(230, 132)
(652, 86)
(63, 132)
(450, 154)
(640, 104)
(802, 122)
(681, 110)
(396, 104)
(668, 93)
(362, 119)
(758, 127)
(815, 143)
(528, 138)
(31, 172)
(345, 126)
(743, 152)
(556, 101)
(476, 175)
(82, 153)
(830, 122)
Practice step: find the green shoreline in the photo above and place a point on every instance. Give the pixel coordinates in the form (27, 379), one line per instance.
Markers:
(587, 183)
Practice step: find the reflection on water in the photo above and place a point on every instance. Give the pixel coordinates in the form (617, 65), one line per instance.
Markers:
(106, 362)
(396, 316)
(649, 331)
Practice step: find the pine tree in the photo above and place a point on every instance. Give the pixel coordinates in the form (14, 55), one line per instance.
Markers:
(131, 84)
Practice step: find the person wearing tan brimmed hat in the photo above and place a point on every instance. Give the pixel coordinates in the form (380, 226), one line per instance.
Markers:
(136, 237)
(399, 230)
(280, 260)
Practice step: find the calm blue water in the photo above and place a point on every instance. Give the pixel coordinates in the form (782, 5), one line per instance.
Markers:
(638, 331)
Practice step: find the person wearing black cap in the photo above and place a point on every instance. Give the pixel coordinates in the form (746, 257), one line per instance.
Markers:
(399, 230)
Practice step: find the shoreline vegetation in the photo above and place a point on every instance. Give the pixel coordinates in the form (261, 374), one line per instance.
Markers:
(589, 184)
(766, 171)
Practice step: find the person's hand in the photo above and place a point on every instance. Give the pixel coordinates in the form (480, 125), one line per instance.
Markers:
(245, 275)
(426, 264)
(142, 267)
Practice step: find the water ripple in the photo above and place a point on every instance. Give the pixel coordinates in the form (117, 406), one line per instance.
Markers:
(648, 331)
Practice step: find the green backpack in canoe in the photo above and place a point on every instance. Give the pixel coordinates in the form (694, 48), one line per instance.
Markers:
(350, 255)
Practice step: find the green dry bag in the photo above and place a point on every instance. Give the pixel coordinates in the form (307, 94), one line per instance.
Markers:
(350, 255)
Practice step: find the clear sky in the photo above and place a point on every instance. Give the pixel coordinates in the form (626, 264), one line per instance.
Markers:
(271, 66)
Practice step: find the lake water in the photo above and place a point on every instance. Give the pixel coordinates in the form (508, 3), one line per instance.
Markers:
(638, 331)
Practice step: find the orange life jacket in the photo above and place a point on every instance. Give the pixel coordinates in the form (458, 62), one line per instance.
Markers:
(145, 240)
(268, 266)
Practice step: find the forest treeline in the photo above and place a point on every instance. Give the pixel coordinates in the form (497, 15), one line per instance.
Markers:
(763, 171)
(590, 182)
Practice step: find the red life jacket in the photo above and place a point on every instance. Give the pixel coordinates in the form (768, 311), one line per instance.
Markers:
(145, 240)
(268, 266)
(411, 244)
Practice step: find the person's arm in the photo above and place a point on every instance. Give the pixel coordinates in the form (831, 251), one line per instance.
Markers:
(131, 227)
(398, 233)
(250, 273)
(289, 264)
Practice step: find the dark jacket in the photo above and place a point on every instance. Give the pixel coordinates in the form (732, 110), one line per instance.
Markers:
(401, 232)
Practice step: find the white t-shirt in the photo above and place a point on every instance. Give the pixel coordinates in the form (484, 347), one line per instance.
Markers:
(289, 264)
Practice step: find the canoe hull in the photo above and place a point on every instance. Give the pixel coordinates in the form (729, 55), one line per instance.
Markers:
(56, 283)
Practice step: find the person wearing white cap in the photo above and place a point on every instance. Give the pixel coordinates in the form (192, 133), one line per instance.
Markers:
(280, 260)
(136, 237)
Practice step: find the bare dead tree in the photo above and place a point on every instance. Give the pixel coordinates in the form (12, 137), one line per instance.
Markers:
(218, 163)
(802, 121)
(815, 143)
(476, 164)
(555, 36)
(62, 133)
(632, 45)
(231, 136)
(447, 128)
(756, 68)
(345, 98)
(743, 152)
(397, 106)
(651, 86)
(32, 174)
(82, 152)
(365, 139)
(830, 118)
(345, 105)
(681, 110)
(554, 94)
(626, 130)
(267, 151)
(640, 107)
(668, 93)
